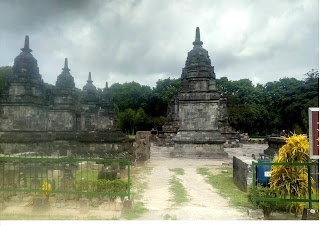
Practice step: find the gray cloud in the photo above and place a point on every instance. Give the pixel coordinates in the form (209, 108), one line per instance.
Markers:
(122, 41)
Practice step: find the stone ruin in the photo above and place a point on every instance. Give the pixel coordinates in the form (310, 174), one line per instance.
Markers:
(197, 123)
(60, 119)
(198, 106)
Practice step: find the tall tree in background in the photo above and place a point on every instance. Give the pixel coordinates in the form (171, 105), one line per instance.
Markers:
(4, 73)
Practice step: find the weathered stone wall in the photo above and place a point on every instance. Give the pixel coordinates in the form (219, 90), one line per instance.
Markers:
(57, 119)
(198, 115)
(23, 118)
(242, 172)
(61, 120)
(205, 150)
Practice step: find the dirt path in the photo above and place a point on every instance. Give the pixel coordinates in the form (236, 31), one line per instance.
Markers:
(204, 201)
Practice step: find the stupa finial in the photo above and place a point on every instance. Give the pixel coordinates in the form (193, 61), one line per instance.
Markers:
(26, 45)
(89, 78)
(66, 65)
(197, 42)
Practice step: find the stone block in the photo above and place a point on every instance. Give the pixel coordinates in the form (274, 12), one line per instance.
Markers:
(255, 214)
(143, 144)
(310, 214)
(242, 172)
(127, 205)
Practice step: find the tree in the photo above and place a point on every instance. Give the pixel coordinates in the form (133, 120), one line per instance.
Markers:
(4, 73)
(130, 95)
(141, 120)
(127, 120)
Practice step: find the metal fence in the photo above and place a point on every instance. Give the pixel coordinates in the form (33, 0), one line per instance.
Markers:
(312, 171)
(63, 175)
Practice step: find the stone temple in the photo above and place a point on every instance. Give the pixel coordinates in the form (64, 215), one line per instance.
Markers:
(198, 111)
(60, 119)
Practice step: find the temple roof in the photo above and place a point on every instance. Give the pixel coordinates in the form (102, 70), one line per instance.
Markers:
(198, 63)
(90, 91)
(25, 64)
(65, 79)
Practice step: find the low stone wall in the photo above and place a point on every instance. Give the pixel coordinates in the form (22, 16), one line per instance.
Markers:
(242, 172)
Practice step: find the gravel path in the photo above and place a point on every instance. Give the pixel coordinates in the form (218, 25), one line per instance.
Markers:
(204, 201)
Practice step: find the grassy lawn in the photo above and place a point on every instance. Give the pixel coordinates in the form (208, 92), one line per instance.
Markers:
(87, 174)
(223, 182)
(178, 190)
(178, 171)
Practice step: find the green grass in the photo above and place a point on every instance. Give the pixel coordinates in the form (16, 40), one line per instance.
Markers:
(132, 136)
(178, 171)
(87, 174)
(169, 217)
(137, 211)
(223, 182)
(138, 183)
(138, 188)
(179, 192)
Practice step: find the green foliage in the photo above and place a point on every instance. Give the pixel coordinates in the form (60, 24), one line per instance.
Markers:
(273, 107)
(158, 122)
(132, 121)
(4, 73)
(113, 186)
(169, 217)
(178, 171)
(130, 95)
(223, 182)
(87, 174)
(267, 207)
(179, 192)
(137, 211)
(292, 181)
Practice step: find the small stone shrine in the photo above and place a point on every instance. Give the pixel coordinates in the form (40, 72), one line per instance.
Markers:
(197, 62)
(60, 119)
(199, 108)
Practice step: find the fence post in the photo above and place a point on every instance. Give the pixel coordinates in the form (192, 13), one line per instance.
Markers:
(254, 186)
(309, 187)
(129, 179)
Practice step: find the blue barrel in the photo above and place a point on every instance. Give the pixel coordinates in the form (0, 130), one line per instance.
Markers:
(263, 173)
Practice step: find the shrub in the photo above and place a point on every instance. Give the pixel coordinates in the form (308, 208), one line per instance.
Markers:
(292, 181)
(266, 206)
(111, 186)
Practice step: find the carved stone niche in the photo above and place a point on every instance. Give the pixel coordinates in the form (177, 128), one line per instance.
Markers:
(143, 145)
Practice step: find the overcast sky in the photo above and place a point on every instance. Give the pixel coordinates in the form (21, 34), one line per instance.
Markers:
(146, 40)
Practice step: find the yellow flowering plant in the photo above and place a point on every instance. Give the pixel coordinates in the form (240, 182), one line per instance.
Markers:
(292, 181)
(46, 187)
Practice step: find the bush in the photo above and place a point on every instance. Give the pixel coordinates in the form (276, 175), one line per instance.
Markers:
(111, 186)
(267, 207)
(292, 181)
